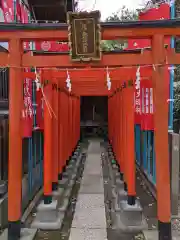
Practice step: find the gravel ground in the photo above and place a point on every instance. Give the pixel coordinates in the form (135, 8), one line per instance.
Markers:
(63, 233)
(143, 194)
(113, 234)
(150, 207)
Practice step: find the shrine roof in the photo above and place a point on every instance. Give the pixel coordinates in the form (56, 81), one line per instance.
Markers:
(173, 23)
(138, 51)
(54, 10)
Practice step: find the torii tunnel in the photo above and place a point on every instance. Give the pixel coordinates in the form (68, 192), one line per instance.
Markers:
(62, 109)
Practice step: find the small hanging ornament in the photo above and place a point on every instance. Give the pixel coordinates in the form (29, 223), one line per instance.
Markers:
(138, 78)
(38, 84)
(68, 82)
(108, 79)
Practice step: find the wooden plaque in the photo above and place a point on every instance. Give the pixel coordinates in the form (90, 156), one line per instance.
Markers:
(84, 35)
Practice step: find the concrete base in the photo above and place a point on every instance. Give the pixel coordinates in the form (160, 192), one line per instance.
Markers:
(58, 193)
(88, 234)
(153, 235)
(26, 234)
(63, 207)
(47, 212)
(73, 177)
(67, 193)
(70, 167)
(63, 182)
(121, 195)
(150, 234)
(4, 211)
(47, 216)
(130, 215)
(119, 183)
(66, 174)
(76, 167)
(114, 195)
(119, 225)
(71, 183)
(115, 168)
(48, 225)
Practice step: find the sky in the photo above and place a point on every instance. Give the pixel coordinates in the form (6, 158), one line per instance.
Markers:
(107, 7)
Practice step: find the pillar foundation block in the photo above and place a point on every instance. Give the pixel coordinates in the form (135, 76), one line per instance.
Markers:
(114, 195)
(121, 196)
(66, 174)
(78, 162)
(48, 225)
(119, 225)
(131, 215)
(67, 193)
(63, 182)
(115, 168)
(70, 167)
(71, 183)
(26, 234)
(73, 177)
(47, 217)
(58, 193)
(64, 205)
(119, 183)
(76, 153)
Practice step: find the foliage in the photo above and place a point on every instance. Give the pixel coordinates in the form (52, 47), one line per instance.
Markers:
(124, 14)
(177, 102)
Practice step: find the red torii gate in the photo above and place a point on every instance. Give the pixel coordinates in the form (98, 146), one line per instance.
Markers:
(15, 59)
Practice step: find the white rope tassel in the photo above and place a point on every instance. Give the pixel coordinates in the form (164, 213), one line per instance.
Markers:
(68, 82)
(138, 78)
(108, 80)
(38, 84)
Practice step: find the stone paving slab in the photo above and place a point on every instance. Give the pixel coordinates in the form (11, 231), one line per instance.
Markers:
(89, 218)
(94, 188)
(94, 147)
(153, 235)
(88, 234)
(26, 234)
(89, 221)
(93, 171)
(90, 201)
(90, 180)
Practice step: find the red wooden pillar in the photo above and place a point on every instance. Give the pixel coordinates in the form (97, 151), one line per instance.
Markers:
(113, 121)
(131, 169)
(108, 118)
(118, 128)
(121, 135)
(115, 125)
(161, 94)
(15, 141)
(48, 145)
(60, 132)
(72, 127)
(124, 135)
(69, 127)
(79, 117)
(63, 129)
(55, 134)
(74, 122)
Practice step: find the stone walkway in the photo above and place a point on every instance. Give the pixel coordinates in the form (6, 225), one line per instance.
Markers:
(89, 221)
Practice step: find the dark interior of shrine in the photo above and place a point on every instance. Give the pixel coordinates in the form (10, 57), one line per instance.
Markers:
(94, 115)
